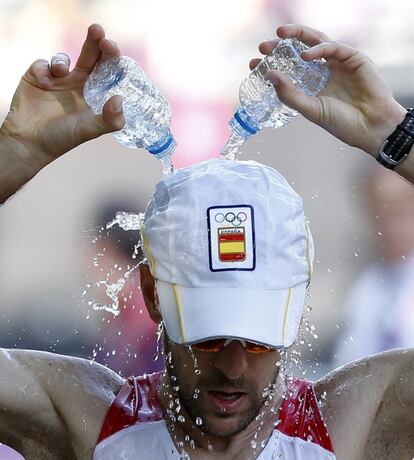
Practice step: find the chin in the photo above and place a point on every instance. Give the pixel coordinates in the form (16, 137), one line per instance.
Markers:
(224, 425)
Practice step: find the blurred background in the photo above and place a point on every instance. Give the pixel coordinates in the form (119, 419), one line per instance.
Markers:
(53, 252)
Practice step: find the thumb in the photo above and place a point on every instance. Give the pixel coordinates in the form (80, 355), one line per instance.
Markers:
(112, 117)
(293, 96)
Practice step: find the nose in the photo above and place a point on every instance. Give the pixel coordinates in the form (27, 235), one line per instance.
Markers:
(232, 360)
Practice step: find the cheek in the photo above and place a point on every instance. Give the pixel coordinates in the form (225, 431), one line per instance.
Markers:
(263, 367)
(184, 366)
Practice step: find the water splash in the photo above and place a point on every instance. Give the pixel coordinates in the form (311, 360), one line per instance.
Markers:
(197, 371)
(231, 150)
(127, 221)
(112, 291)
(167, 166)
(158, 333)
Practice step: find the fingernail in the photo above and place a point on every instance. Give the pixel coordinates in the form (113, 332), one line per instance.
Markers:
(118, 108)
(60, 58)
(113, 43)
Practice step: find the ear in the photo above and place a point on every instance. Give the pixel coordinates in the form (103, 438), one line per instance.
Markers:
(149, 293)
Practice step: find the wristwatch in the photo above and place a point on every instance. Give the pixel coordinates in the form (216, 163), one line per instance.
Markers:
(397, 146)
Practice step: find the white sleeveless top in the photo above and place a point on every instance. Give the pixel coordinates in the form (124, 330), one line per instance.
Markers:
(134, 428)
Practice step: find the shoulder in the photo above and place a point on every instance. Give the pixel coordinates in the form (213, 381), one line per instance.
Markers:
(356, 391)
(61, 374)
(378, 370)
(80, 391)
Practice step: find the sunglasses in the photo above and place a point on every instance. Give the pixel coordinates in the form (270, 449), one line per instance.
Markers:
(215, 345)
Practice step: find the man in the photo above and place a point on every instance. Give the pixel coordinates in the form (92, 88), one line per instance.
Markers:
(57, 407)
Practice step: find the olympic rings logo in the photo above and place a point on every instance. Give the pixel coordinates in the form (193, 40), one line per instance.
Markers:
(231, 218)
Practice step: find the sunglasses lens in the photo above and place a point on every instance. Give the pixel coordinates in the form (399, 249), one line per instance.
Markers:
(211, 346)
(256, 348)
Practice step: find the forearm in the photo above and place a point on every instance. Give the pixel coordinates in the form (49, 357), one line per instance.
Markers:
(17, 166)
(406, 169)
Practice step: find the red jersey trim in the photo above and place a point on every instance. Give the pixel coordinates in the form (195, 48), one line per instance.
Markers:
(301, 417)
(138, 402)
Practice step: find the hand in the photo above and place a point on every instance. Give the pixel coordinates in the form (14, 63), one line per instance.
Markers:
(48, 114)
(357, 106)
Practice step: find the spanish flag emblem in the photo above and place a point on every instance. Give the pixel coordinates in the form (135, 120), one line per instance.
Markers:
(231, 244)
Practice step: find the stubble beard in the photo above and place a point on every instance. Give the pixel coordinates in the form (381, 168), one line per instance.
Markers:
(196, 407)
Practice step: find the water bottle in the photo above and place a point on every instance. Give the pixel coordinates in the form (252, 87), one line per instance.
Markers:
(259, 105)
(147, 112)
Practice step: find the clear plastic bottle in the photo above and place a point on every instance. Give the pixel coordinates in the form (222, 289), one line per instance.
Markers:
(147, 112)
(259, 105)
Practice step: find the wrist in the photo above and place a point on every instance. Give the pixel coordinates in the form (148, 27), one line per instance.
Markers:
(17, 165)
(19, 152)
(386, 125)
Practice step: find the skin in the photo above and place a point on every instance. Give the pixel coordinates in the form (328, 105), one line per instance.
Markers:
(48, 115)
(53, 407)
(227, 371)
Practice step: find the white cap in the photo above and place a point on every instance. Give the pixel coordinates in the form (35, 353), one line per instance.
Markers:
(228, 244)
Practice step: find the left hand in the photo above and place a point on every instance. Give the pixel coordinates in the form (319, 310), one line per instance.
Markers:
(357, 106)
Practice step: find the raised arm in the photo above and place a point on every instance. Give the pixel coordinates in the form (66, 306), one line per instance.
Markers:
(48, 115)
(53, 406)
(357, 106)
(368, 406)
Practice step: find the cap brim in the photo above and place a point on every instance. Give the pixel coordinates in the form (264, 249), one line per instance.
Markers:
(268, 317)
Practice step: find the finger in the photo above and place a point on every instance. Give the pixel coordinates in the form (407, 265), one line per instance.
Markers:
(91, 126)
(268, 46)
(305, 34)
(90, 52)
(109, 49)
(59, 65)
(112, 114)
(330, 50)
(292, 96)
(39, 74)
(253, 63)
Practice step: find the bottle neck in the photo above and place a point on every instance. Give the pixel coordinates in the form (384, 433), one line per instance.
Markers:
(166, 145)
(243, 124)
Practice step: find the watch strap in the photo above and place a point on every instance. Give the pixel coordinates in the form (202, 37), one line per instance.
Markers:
(397, 146)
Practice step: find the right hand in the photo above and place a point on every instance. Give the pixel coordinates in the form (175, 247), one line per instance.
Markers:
(48, 114)
(357, 106)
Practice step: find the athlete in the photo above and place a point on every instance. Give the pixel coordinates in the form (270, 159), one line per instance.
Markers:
(222, 396)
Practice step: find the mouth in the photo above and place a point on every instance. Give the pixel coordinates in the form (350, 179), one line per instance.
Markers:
(227, 401)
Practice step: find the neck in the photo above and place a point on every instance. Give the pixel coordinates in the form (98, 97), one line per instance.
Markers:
(190, 438)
